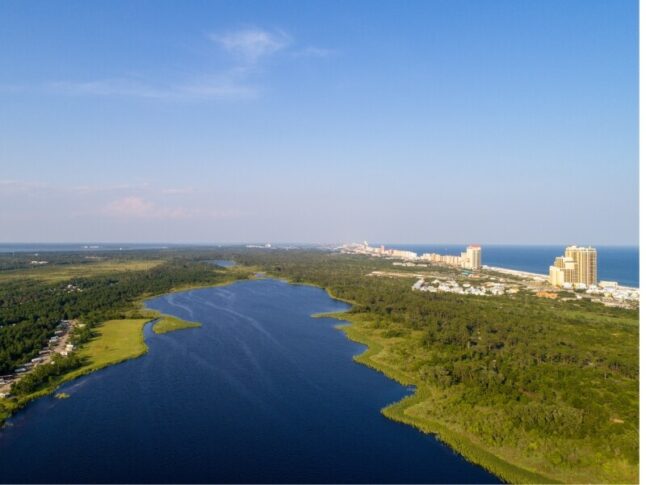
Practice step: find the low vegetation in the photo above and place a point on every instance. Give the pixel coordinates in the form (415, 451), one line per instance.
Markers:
(115, 341)
(57, 273)
(169, 324)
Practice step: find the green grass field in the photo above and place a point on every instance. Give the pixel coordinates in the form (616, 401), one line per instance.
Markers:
(117, 340)
(58, 273)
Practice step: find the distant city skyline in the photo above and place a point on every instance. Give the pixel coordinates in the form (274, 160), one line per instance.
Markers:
(444, 122)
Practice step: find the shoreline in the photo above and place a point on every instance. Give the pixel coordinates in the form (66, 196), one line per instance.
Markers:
(457, 442)
(499, 269)
(538, 276)
(396, 411)
(515, 272)
(462, 445)
(139, 309)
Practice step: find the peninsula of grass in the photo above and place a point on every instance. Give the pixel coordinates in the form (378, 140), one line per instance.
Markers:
(169, 324)
(115, 288)
(115, 341)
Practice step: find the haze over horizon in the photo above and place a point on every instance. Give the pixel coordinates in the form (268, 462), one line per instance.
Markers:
(498, 123)
(278, 244)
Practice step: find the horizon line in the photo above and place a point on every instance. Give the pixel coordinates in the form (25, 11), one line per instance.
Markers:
(237, 243)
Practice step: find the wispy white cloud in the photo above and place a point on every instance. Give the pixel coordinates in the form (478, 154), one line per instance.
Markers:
(315, 52)
(246, 48)
(112, 205)
(102, 189)
(252, 44)
(131, 206)
(213, 87)
(9, 187)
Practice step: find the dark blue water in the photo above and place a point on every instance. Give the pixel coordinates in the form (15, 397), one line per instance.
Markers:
(260, 393)
(615, 263)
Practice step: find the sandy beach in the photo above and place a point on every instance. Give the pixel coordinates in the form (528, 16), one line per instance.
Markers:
(515, 272)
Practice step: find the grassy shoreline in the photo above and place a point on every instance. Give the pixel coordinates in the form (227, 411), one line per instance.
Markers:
(397, 411)
(99, 346)
(167, 324)
(101, 352)
(508, 462)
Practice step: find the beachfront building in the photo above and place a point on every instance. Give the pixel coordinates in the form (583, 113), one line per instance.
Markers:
(398, 253)
(577, 267)
(473, 257)
(365, 248)
(585, 260)
(469, 259)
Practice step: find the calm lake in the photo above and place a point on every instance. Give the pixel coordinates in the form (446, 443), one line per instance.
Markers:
(261, 392)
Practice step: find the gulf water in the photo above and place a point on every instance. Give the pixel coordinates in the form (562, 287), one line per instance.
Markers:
(260, 393)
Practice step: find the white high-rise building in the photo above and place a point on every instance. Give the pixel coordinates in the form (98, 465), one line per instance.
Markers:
(474, 256)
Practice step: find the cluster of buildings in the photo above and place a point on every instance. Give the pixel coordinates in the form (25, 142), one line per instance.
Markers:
(452, 286)
(365, 248)
(576, 269)
(469, 259)
(57, 344)
(611, 290)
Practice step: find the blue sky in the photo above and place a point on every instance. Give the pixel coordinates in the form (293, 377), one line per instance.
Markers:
(430, 121)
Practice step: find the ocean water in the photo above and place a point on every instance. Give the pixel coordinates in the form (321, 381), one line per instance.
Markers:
(261, 393)
(614, 263)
